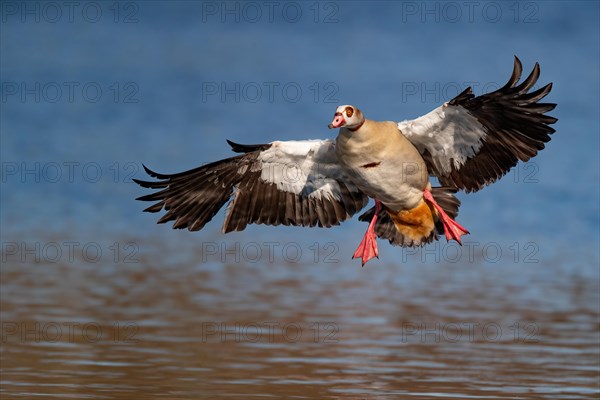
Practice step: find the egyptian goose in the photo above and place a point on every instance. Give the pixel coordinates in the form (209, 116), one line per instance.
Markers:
(467, 143)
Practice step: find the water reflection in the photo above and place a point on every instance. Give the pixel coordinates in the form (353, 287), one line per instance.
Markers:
(160, 329)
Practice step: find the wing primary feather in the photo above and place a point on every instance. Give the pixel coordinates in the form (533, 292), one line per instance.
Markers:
(516, 74)
(529, 81)
(247, 148)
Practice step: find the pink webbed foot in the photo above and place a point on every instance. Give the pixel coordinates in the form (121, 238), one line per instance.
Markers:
(452, 229)
(367, 249)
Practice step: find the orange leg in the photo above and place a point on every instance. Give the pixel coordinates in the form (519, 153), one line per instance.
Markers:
(452, 229)
(367, 249)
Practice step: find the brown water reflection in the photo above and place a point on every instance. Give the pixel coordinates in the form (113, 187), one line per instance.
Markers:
(184, 329)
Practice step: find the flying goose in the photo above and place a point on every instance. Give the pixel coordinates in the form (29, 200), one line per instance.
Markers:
(467, 143)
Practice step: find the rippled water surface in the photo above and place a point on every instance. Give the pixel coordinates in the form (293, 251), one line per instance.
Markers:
(151, 330)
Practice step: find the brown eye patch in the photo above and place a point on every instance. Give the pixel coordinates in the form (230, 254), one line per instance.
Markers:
(349, 111)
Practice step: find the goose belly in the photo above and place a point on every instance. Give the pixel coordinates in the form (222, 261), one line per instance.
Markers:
(396, 183)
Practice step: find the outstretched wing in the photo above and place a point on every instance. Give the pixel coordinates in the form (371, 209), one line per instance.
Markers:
(470, 142)
(281, 183)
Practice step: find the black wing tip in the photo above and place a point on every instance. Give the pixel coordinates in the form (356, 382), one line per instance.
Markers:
(148, 184)
(517, 66)
(247, 148)
(547, 89)
(234, 146)
(155, 174)
(144, 183)
(149, 171)
(513, 91)
(465, 95)
(516, 74)
(155, 207)
(148, 197)
(155, 184)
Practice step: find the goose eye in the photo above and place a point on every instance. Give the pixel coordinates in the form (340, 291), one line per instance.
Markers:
(349, 112)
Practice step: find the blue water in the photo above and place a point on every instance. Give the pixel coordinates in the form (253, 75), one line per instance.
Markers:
(161, 68)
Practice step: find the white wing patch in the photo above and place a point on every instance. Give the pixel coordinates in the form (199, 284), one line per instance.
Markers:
(449, 133)
(307, 167)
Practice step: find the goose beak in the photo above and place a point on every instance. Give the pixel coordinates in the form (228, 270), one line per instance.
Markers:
(338, 120)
